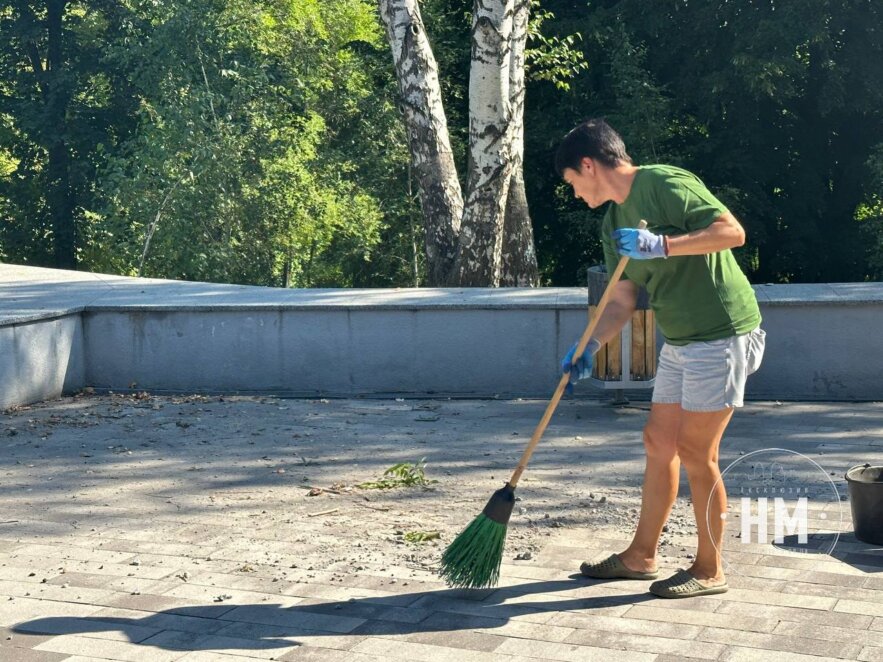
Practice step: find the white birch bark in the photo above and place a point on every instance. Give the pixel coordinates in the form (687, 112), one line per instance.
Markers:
(421, 104)
(519, 260)
(479, 257)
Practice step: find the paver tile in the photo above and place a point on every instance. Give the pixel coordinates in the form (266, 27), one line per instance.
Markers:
(871, 654)
(17, 639)
(466, 640)
(212, 656)
(76, 553)
(774, 614)
(740, 654)
(50, 566)
(583, 621)
(687, 648)
(408, 650)
(296, 636)
(293, 617)
(781, 642)
(501, 611)
(702, 618)
(365, 609)
(311, 654)
(24, 574)
(516, 629)
(28, 655)
(75, 594)
(91, 627)
(110, 649)
(112, 583)
(164, 603)
(831, 591)
(830, 633)
(160, 621)
(188, 641)
(779, 599)
(860, 607)
(14, 610)
(570, 652)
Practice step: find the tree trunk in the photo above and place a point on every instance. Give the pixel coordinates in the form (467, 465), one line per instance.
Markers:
(493, 245)
(519, 262)
(56, 96)
(433, 160)
(480, 250)
(519, 255)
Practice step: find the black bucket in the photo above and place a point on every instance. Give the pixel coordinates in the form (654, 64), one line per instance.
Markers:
(866, 496)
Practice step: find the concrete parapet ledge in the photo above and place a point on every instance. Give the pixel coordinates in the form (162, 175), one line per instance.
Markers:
(31, 293)
(61, 330)
(811, 294)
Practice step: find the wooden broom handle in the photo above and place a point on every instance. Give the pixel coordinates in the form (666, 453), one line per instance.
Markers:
(565, 378)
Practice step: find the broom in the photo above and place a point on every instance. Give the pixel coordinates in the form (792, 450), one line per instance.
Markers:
(473, 559)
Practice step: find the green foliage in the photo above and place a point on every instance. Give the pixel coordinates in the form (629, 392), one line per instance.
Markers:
(403, 474)
(417, 537)
(31, 105)
(223, 140)
(258, 141)
(556, 59)
(870, 214)
(225, 174)
(775, 105)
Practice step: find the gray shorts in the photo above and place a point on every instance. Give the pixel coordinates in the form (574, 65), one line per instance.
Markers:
(708, 376)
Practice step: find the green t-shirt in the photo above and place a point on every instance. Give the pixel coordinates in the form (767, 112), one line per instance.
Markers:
(695, 297)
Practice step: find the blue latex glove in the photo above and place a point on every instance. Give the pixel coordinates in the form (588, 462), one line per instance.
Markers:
(582, 368)
(639, 244)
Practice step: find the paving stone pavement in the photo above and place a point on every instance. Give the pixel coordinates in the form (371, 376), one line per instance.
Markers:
(195, 529)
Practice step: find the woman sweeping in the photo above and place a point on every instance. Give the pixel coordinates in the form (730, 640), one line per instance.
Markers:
(708, 314)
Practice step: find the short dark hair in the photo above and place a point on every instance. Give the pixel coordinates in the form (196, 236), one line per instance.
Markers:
(594, 139)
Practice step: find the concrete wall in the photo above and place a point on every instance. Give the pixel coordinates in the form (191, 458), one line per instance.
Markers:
(823, 341)
(814, 352)
(479, 352)
(821, 352)
(40, 360)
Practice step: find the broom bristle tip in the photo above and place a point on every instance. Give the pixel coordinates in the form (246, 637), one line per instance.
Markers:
(473, 559)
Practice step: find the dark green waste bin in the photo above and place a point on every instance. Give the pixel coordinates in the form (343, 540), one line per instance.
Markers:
(866, 498)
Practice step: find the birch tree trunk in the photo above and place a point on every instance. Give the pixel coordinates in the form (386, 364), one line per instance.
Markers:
(480, 251)
(519, 261)
(431, 155)
(493, 245)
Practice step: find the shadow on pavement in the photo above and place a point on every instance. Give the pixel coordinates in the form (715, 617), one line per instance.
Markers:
(860, 555)
(266, 626)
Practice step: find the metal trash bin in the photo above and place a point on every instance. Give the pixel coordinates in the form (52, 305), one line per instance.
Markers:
(628, 361)
(866, 499)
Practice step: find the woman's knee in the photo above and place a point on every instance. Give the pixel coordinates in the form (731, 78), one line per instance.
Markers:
(699, 436)
(659, 445)
(696, 455)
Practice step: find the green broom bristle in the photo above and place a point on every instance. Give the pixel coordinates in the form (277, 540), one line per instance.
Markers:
(473, 559)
